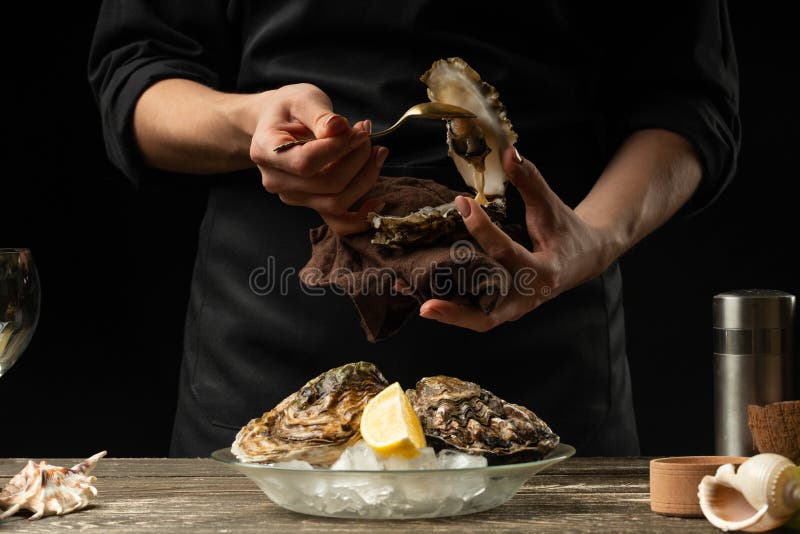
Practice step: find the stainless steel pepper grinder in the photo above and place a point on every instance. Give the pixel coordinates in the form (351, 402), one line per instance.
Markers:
(753, 360)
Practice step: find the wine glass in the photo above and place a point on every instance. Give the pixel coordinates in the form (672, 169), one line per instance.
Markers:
(19, 304)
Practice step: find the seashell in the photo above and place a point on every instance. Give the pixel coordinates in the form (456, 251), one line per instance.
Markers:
(314, 424)
(50, 490)
(461, 415)
(761, 495)
(428, 225)
(475, 145)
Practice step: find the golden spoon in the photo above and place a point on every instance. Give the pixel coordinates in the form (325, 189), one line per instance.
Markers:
(426, 110)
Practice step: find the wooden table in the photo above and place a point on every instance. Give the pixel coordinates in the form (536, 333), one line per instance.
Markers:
(198, 495)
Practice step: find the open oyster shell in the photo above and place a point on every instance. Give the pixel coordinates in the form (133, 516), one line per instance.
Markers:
(427, 225)
(314, 424)
(461, 415)
(476, 145)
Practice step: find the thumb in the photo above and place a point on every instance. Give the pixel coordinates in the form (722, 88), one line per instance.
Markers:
(317, 115)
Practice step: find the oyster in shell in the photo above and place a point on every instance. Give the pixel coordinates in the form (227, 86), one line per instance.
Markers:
(49, 490)
(314, 424)
(427, 225)
(461, 415)
(476, 145)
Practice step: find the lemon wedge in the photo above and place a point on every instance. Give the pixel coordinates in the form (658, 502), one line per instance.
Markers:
(390, 426)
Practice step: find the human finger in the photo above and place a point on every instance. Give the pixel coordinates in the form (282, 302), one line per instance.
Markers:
(337, 177)
(472, 317)
(309, 105)
(354, 222)
(495, 242)
(332, 179)
(337, 204)
(462, 315)
(525, 176)
(307, 159)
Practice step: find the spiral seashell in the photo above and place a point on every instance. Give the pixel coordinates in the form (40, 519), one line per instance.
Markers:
(762, 495)
(49, 490)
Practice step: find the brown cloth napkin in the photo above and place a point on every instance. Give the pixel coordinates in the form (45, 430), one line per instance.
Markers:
(457, 270)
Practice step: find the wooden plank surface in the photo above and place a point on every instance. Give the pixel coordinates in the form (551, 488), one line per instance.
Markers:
(200, 495)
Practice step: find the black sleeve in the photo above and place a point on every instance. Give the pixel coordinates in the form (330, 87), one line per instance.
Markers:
(672, 65)
(139, 42)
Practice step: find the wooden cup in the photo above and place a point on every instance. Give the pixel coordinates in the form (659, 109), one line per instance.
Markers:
(674, 481)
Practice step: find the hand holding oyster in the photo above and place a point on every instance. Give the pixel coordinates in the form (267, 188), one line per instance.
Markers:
(418, 238)
(321, 420)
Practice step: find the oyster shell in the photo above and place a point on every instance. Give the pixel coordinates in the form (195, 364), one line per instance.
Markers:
(314, 424)
(475, 145)
(427, 225)
(461, 415)
(50, 490)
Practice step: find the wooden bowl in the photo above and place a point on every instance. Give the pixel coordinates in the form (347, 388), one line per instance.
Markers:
(776, 428)
(674, 482)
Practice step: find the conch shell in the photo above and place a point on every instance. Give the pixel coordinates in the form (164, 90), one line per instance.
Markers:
(762, 495)
(50, 490)
(476, 145)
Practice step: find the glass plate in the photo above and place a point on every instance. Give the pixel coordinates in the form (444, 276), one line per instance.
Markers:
(392, 494)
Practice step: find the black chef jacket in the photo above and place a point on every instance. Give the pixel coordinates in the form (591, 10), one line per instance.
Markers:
(576, 78)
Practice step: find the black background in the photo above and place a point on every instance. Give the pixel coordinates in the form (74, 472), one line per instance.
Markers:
(115, 263)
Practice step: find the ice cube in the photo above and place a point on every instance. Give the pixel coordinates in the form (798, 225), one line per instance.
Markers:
(359, 457)
(340, 498)
(450, 459)
(375, 492)
(426, 459)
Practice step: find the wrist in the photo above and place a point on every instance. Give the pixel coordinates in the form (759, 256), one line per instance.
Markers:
(610, 238)
(240, 113)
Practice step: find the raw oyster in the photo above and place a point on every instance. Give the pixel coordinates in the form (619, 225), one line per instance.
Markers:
(50, 490)
(461, 415)
(476, 145)
(427, 225)
(314, 424)
(465, 139)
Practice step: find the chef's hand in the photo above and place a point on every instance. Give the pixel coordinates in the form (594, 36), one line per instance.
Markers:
(567, 251)
(328, 174)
